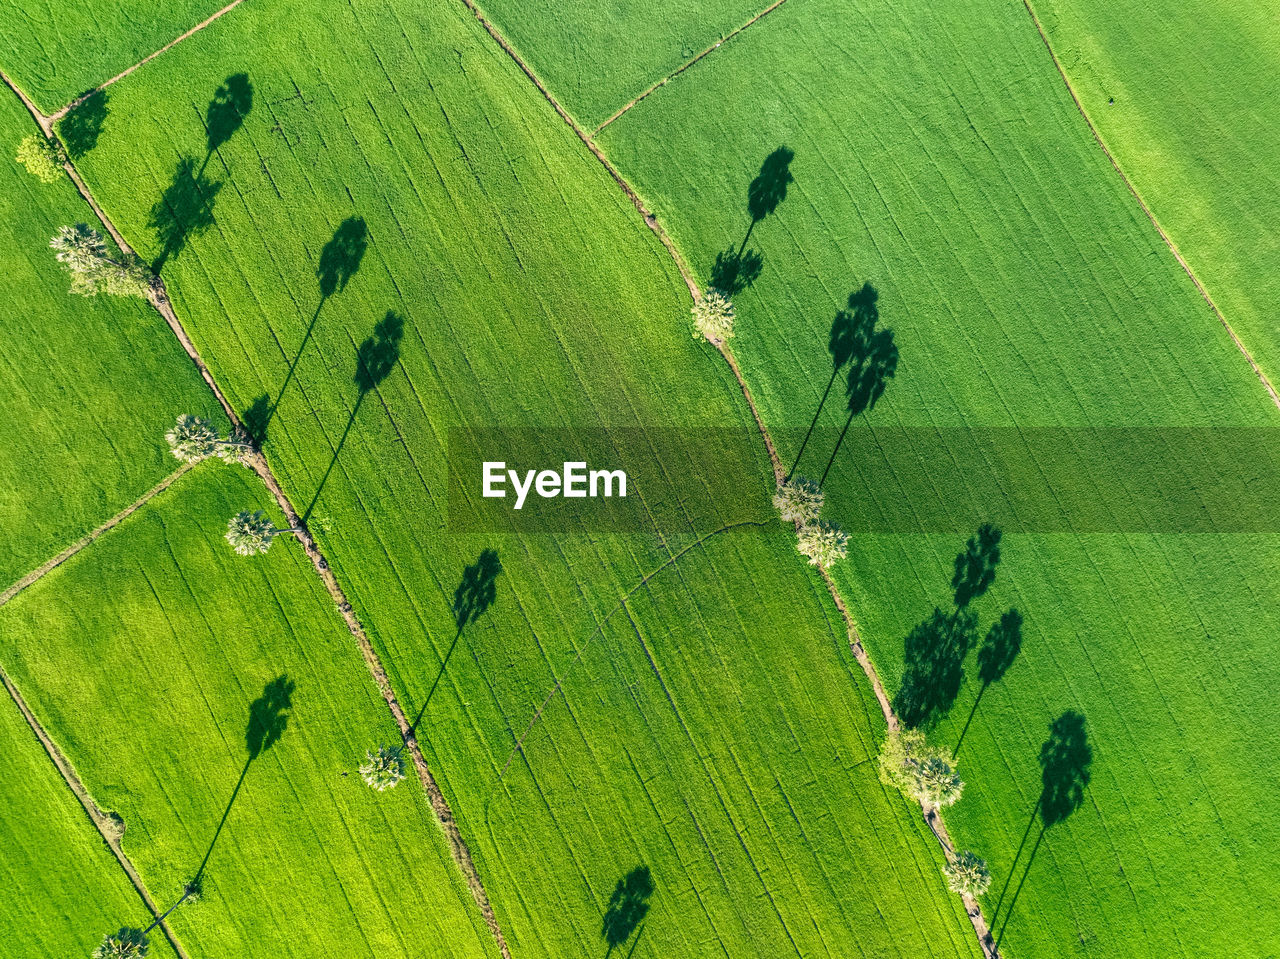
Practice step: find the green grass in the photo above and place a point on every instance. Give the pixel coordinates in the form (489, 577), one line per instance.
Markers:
(595, 58)
(939, 156)
(57, 49)
(142, 655)
(61, 890)
(532, 294)
(87, 384)
(1205, 171)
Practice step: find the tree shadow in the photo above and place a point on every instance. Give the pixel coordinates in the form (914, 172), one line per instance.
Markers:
(628, 906)
(376, 357)
(933, 657)
(256, 419)
(873, 361)
(976, 565)
(850, 331)
(734, 271)
(340, 259)
(768, 189)
(1065, 758)
(225, 114)
(1000, 648)
(474, 595)
(268, 719)
(82, 125)
(185, 209)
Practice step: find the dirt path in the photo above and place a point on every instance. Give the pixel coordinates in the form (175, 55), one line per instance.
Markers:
(80, 544)
(55, 117)
(160, 300)
(932, 818)
(1168, 241)
(687, 64)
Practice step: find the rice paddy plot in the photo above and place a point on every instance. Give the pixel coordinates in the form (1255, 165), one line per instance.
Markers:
(400, 238)
(937, 156)
(220, 707)
(1205, 171)
(87, 384)
(67, 909)
(64, 47)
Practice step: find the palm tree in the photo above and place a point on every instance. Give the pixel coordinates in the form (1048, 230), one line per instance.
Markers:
(383, 767)
(250, 533)
(83, 253)
(713, 317)
(823, 543)
(849, 333)
(125, 944)
(192, 439)
(798, 501)
(967, 874)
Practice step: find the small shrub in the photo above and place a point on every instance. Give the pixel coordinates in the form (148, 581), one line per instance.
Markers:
(42, 157)
(823, 543)
(713, 317)
(383, 768)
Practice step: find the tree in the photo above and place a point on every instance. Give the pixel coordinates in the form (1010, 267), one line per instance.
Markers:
(798, 501)
(967, 874)
(823, 543)
(383, 767)
(250, 533)
(125, 944)
(84, 254)
(912, 766)
(42, 156)
(713, 317)
(192, 439)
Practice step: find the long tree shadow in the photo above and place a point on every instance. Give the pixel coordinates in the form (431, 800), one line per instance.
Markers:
(768, 189)
(340, 259)
(735, 270)
(999, 650)
(185, 209)
(628, 906)
(268, 719)
(474, 595)
(872, 364)
(376, 357)
(976, 566)
(851, 331)
(82, 125)
(225, 114)
(933, 657)
(1065, 758)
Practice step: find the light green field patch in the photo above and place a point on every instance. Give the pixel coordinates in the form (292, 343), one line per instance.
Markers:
(61, 890)
(57, 49)
(1183, 95)
(147, 657)
(88, 385)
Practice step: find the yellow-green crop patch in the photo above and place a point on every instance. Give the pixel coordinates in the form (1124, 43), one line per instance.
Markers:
(221, 709)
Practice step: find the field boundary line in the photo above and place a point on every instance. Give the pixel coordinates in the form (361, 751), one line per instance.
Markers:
(933, 819)
(59, 114)
(49, 566)
(107, 827)
(1168, 241)
(257, 461)
(686, 65)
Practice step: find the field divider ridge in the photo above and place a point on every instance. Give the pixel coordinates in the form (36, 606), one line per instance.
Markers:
(1168, 241)
(932, 817)
(58, 115)
(686, 65)
(47, 567)
(256, 461)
